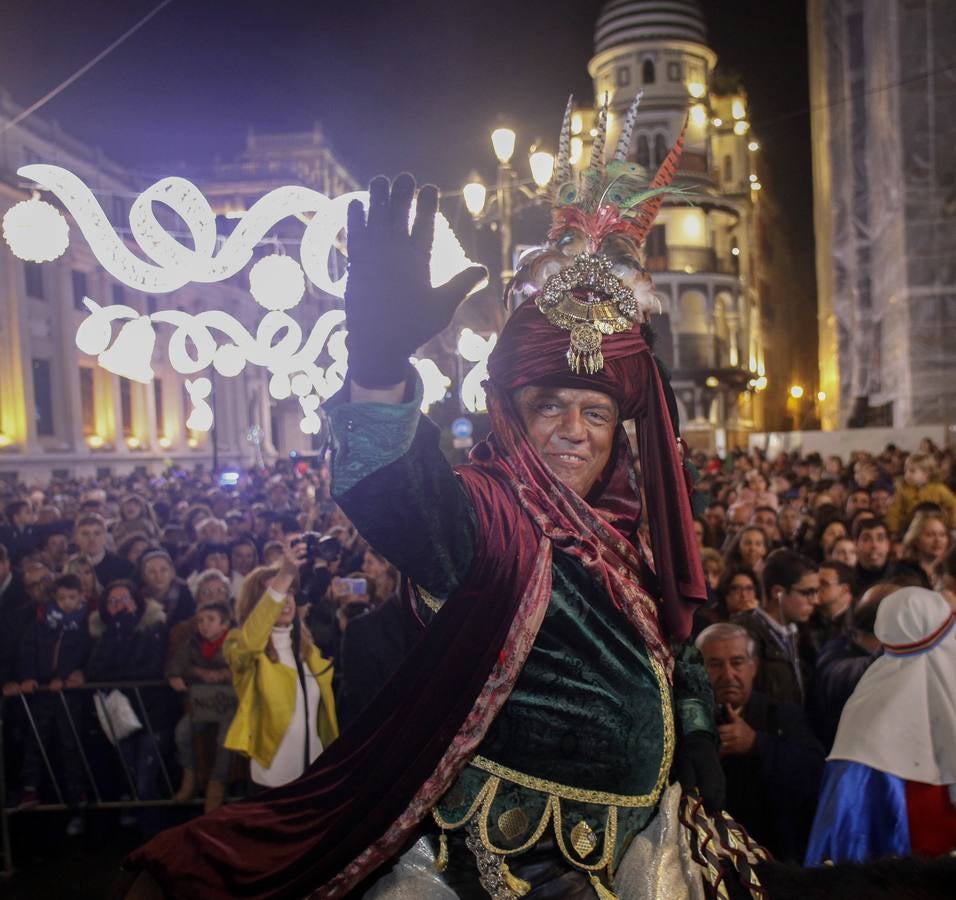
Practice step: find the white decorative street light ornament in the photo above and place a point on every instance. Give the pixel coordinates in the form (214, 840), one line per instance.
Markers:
(215, 338)
(476, 349)
(36, 231)
(434, 381)
(277, 282)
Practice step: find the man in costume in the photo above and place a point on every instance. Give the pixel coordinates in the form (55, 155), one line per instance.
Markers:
(535, 721)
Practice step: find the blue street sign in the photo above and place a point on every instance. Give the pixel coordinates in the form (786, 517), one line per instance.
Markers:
(462, 428)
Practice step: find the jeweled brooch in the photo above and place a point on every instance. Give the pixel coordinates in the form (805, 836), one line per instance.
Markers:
(588, 300)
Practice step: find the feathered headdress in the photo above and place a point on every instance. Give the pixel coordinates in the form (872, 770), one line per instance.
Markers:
(615, 183)
(587, 298)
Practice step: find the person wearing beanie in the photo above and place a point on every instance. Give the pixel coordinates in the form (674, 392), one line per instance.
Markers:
(157, 575)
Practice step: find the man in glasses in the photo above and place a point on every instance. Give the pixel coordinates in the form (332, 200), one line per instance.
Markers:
(791, 592)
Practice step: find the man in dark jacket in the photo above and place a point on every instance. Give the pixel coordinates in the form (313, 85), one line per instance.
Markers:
(791, 587)
(829, 619)
(90, 537)
(53, 653)
(842, 663)
(771, 759)
(18, 612)
(873, 553)
(19, 535)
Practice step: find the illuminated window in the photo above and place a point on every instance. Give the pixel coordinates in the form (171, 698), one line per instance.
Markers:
(43, 396)
(158, 403)
(126, 405)
(623, 76)
(33, 280)
(674, 71)
(79, 288)
(87, 400)
(655, 250)
(647, 71)
(660, 149)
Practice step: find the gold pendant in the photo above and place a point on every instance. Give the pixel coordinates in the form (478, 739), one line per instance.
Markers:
(585, 349)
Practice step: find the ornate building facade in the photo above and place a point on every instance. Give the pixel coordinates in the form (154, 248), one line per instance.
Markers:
(703, 255)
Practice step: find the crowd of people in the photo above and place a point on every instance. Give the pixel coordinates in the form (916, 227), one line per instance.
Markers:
(260, 622)
(217, 610)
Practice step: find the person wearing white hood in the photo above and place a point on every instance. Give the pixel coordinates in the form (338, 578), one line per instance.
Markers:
(889, 788)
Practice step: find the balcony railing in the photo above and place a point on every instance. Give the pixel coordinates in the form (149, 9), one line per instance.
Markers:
(703, 351)
(690, 259)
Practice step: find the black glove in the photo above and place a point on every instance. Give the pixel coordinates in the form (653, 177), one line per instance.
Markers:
(391, 308)
(697, 766)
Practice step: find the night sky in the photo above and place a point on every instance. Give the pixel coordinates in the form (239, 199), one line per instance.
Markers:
(413, 85)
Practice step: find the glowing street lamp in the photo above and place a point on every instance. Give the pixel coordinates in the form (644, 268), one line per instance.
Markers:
(796, 391)
(509, 190)
(503, 142)
(542, 167)
(474, 194)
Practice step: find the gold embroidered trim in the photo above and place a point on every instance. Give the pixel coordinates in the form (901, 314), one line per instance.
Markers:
(485, 815)
(490, 787)
(430, 600)
(603, 798)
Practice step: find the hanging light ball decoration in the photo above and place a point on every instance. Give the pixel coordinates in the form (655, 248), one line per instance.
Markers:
(36, 231)
(277, 282)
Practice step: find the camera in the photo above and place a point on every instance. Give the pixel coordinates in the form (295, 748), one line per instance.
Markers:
(318, 547)
(315, 582)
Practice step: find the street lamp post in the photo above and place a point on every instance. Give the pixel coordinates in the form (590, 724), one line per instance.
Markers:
(508, 188)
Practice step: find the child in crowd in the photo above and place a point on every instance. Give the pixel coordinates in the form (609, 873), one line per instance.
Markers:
(136, 517)
(54, 652)
(919, 484)
(200, 661)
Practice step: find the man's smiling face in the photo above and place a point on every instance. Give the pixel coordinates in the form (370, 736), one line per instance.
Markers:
(572, 430)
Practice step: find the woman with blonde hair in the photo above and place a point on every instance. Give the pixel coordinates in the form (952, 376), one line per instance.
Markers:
(926, 543)
(286, 713)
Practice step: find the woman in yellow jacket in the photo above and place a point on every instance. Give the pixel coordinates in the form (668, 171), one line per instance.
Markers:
(286, 713)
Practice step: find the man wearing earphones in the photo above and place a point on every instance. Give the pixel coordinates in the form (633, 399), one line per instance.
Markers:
(791, 586)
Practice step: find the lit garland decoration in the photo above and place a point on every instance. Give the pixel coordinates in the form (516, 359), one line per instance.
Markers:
(476, 349)
(36, 230)
(434, 382)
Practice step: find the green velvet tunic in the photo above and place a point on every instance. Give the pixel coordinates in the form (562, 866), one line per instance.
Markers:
(584, 742)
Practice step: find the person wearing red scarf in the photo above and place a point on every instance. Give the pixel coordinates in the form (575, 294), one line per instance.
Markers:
(540, 724)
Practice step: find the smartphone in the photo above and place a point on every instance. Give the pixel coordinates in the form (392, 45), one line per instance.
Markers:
(356, 586)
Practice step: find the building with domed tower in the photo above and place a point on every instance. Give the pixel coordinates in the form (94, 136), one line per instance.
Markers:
(703, 254)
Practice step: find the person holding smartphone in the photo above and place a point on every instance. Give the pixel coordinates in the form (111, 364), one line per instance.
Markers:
(286, 714)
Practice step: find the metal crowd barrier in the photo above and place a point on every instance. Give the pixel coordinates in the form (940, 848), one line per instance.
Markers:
(95, 801)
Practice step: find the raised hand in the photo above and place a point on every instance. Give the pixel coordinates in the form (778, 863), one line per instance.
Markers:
(391, 308)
